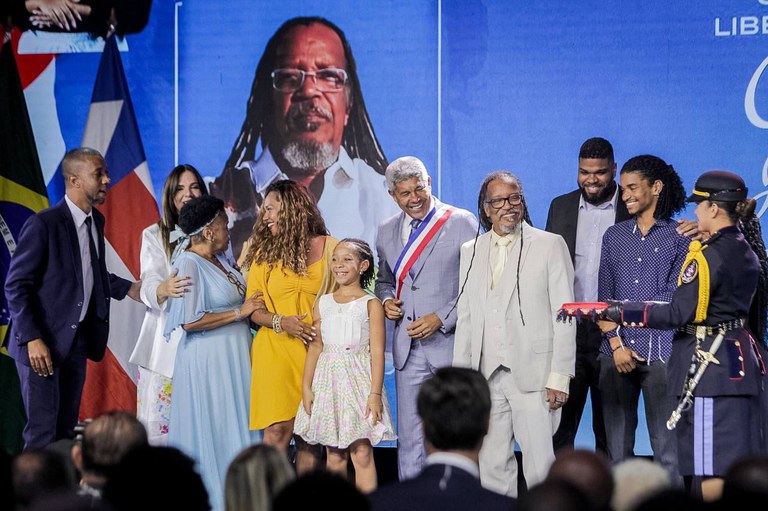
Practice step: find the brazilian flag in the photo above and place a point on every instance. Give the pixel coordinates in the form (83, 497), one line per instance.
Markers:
(22, 194)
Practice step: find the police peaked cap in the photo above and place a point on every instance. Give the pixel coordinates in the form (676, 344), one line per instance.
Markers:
(719, 185)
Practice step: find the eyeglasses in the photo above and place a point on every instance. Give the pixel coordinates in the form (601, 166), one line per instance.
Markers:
(514, 200)
(330, 79)
(236, 282)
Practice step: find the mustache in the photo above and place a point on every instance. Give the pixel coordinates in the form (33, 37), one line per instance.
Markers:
(298, 111)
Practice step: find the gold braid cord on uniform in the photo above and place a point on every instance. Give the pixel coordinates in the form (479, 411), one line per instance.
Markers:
(695, 253)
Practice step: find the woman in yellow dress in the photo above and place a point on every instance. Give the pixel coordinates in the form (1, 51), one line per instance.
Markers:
(289, 254)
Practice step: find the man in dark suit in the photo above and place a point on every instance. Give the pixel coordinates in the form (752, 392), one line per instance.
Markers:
(58, 293)
(455, 408)
(581, 217)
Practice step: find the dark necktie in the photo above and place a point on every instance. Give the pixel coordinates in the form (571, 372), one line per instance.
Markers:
(414, 225)
(98, 300)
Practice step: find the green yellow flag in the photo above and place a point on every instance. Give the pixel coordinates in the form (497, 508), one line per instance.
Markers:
(22, 193)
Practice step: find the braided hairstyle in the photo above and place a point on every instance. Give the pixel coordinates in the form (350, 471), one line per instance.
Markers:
(365, 253)
(486, 223)
(359, 138)
(504, 175)
(742, 213)
(652, 169)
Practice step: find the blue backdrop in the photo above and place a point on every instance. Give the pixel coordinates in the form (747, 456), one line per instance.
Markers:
(470, 86)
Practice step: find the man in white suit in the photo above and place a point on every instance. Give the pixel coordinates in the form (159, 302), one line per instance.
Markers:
(418, 281)
(517, 277)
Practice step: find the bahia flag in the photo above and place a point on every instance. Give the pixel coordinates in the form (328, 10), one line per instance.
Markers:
(129, 208)
(22, 193)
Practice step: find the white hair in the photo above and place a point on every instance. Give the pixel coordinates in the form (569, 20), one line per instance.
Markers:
(635, 480)
(403, 169)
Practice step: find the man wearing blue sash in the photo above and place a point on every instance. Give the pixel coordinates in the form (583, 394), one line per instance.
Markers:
(418, 282)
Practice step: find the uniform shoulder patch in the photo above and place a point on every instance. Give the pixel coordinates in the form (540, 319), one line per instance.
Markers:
(690, 272)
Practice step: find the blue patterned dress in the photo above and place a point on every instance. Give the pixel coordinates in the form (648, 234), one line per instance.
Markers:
(211, 381)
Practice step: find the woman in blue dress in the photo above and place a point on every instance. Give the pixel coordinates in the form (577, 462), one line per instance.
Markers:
(209, 417)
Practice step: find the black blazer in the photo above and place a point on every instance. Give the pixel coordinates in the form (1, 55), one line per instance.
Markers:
(44, 287)
(564, 215)
(439, 488)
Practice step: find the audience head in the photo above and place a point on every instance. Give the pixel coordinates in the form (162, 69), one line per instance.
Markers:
(165, 473)
(597, 171)
(455, 407)
(7, 495)
(648, 183)
(68, 500)
(37, 473)
(287, 221)
(254, 477)
(670, 500)
(587, 471)
(746, 482)
(553, 495)
(320, 490)
(501, 202)
(105, 441)
(636, 479)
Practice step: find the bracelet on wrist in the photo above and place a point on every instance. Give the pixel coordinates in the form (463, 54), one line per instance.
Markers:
(620, 346)
(238, 315)
(276, 323)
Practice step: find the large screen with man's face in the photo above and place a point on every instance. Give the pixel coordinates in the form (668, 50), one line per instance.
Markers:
(469, 87)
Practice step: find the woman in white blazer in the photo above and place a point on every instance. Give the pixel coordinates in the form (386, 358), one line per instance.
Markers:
(153, 354)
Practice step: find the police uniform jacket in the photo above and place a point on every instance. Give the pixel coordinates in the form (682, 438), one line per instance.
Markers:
(733, 275)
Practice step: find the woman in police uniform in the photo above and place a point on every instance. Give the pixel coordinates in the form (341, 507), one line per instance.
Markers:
(716, 289)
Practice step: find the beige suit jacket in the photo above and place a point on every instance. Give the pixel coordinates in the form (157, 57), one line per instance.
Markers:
(543, 350)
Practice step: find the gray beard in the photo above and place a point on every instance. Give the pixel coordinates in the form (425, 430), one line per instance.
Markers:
(506, 229)
(308, 157)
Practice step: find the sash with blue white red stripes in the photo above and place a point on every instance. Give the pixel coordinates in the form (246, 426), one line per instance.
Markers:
(418, 241)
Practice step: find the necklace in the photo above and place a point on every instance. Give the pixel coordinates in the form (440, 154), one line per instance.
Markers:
(231, 277)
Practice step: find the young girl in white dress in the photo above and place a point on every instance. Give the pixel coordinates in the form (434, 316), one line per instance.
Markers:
(344, 406)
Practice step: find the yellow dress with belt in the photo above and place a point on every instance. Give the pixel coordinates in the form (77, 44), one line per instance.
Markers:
(277, 360)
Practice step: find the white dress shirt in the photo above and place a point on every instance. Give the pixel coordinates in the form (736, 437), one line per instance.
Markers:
(454, 460)
(79, 216)
(591, 225)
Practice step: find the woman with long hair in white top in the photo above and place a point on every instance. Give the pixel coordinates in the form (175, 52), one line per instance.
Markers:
(153, 354)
